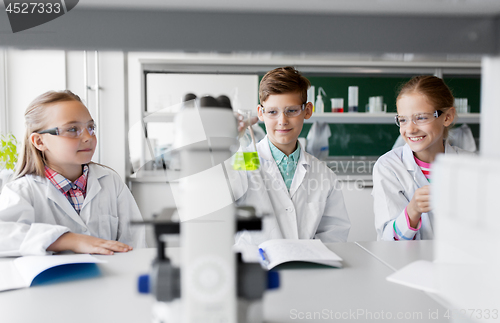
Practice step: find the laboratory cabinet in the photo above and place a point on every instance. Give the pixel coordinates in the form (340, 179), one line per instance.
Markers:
(354, 176)
(354, 135)
(359, 204)
(154, 197)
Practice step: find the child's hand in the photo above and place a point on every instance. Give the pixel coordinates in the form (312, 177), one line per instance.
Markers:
(419, 204)
(81, 243)
(243, 123)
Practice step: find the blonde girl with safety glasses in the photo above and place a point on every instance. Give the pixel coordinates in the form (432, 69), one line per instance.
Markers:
(401, 177)
(60, 200)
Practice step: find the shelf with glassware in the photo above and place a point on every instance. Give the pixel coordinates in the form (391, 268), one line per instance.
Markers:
(333, 117)
(380, 118)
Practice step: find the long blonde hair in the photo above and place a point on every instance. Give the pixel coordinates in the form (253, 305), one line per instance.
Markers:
(31, 160)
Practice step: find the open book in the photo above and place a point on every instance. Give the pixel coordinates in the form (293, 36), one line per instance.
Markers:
(20, 272)
(272, 253)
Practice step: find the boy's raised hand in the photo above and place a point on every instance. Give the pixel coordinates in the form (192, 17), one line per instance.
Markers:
(243, 123)
(81, 243)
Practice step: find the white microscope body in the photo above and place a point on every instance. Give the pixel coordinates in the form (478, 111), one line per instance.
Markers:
(211, 285)
(206, 210)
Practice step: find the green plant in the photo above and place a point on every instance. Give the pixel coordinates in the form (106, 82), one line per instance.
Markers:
(8, 151)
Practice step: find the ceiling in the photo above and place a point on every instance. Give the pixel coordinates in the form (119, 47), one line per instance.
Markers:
(324, 27)
(360, 7)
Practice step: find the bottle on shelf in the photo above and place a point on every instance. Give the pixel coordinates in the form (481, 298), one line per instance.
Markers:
(353, 98)
(320, 105)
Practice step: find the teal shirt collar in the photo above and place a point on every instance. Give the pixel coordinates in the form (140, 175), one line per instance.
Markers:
(278, 155)
(286, 164)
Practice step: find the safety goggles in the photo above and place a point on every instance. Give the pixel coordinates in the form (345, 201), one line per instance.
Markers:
(290, 112)
(74, 130)
(418, 118)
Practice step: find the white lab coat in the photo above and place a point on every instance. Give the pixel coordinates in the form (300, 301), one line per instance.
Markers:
(34, 213)
(396, 177)
(312, 209)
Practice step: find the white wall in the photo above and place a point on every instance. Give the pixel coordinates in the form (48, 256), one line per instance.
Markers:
(28, 74)
(75, 73)
(112, 110)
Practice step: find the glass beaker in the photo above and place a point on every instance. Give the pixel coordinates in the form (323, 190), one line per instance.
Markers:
(337, 104)
(246, 158)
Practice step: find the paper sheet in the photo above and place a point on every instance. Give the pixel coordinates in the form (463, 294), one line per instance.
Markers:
(9, 276)
(420, 275)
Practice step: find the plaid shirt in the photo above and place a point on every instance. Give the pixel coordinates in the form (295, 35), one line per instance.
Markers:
(74, 192)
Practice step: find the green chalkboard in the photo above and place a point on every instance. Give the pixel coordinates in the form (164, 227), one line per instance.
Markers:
(377, 139)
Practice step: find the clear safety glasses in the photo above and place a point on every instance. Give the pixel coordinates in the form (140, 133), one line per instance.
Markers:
(74, 130)
(418, 118)
(290, 112)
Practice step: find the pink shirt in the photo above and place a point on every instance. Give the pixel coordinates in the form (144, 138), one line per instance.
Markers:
(425, 167)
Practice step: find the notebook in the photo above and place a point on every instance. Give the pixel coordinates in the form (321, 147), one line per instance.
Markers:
(21, 272)
(275, 252)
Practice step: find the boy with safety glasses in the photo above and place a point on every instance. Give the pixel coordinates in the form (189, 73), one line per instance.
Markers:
(300, 193)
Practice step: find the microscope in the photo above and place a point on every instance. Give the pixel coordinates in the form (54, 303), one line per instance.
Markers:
(213, 284)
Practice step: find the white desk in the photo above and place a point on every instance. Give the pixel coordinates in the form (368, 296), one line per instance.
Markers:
(398, 254)
(359, 287)
(112, 297)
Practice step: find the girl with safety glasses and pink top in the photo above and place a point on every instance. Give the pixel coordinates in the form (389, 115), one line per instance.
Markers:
(402, 176)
